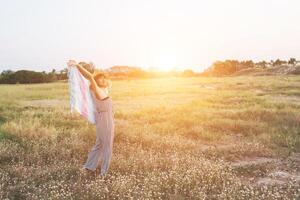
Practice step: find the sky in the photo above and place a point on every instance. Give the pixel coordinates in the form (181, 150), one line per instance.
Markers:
(42, 35)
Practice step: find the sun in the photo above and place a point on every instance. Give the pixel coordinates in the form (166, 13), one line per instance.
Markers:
(165, 61)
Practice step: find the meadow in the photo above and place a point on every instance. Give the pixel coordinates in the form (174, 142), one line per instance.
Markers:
(175, 138)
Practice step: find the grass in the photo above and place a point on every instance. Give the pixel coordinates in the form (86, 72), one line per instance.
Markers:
(176, 138)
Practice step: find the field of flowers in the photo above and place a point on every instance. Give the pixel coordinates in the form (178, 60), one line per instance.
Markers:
(176, 138)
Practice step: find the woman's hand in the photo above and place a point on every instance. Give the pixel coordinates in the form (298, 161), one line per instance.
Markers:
(71, 63)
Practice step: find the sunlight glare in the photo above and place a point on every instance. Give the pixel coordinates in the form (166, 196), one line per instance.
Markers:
(165, 61)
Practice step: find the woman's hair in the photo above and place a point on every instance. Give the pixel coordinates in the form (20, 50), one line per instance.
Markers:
(88, 66)
(102, 79)
(100, 76)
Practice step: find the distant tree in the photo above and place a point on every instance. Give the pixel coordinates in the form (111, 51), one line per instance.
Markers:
(262, 64)
(292, 61)
(279, 62)
(26, 76)
(188, 73)
(4, 74)
(229, 67)
(7, 72)
(136, 72)
(63, 74)
(247, 64)
(234, 64)
(223, 68)
(52, 76)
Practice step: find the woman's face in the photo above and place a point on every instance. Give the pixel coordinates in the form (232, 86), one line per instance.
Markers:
(101, 82)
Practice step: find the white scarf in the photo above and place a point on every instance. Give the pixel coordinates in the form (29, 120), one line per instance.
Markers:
(80, 95)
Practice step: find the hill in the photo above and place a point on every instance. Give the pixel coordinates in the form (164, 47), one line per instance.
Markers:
(237, 68)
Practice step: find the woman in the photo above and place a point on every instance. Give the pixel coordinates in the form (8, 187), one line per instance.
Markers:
(102, 150)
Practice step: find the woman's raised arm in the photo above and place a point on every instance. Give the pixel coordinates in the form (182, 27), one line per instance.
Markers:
(84, 72)
(81, 69)
(100, 94)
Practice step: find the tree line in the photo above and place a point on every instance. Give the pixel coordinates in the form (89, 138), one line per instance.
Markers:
(218, 68)
(116, 72)
(28, 76)
(229, 67)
